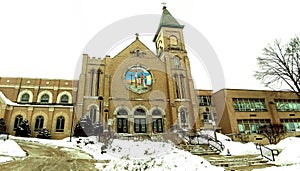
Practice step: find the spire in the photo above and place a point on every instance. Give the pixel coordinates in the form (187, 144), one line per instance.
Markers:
(167, 20)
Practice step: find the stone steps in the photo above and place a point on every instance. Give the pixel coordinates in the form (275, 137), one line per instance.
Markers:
(230, 163)
(245, 162)
(199, 149)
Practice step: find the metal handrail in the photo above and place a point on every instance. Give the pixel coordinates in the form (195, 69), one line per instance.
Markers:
(219, 147)
(260, 146)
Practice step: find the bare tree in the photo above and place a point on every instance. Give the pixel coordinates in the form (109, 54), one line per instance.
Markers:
(280, 65)
(273, 132)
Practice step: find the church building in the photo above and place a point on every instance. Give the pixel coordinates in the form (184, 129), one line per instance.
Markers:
(139, 91)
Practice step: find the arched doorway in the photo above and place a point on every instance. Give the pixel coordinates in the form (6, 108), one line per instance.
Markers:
(157, 121)
(122, 121)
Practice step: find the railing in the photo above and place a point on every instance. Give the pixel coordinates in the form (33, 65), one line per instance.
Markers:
(267, 152)
(216, 144)
(212, 143)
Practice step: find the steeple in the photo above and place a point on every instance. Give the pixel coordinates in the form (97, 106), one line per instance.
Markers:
(167, 20)
(169, 35)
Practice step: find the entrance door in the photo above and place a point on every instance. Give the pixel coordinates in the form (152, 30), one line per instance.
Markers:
(140, 125)
(122, 125)
(157, 125)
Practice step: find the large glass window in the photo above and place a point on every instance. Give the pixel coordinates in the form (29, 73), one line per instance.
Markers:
(18, 120)
(291, 124)
(251, 125)
(283, 105)
(60, 124)
(244, 104)
(39, 123)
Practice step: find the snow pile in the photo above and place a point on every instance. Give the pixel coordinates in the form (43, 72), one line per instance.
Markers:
(147, 155)
(138, 149)
(173, 160)
(290, 151)
(289, 156)
(208, 133)
(234, 148)
(4, 159)
(238, 148)
(11, 148)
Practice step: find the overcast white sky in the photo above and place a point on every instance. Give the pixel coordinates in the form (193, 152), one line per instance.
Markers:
(45, 39)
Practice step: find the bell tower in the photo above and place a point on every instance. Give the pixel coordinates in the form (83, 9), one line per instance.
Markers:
(169, 36)
(170, 48)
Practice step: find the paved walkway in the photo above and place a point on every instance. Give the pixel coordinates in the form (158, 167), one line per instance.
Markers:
(46, 158)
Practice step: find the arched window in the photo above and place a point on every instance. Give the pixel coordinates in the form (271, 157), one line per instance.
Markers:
(173, 40)
(60, 124)
(93, 114)
(176, 62)
(18, 120)
(45, 98)
(64, 99)
(39, 123)
(25, 98)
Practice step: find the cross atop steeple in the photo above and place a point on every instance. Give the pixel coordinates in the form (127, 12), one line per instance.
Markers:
(136, 35)
(164, 5)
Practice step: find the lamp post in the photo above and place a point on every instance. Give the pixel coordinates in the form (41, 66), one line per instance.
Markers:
(73, 113)
(100, 114)
(213, 123)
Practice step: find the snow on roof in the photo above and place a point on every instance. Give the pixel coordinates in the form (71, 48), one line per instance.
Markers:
(9, 102)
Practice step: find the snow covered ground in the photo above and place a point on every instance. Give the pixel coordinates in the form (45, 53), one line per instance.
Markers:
(10, 149)
(149, 155)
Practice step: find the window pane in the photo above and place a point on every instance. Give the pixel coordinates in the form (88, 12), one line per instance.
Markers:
(25, 97)
(64, 98)
(45, 98)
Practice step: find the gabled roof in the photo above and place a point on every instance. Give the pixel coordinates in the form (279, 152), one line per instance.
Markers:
(136, 44)
(167, 20)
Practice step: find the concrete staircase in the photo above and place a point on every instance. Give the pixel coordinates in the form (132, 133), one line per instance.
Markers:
(202, 149)
(230, 163)
(240, 163)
